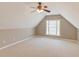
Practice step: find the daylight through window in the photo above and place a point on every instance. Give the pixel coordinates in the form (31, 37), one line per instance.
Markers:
(53, 27)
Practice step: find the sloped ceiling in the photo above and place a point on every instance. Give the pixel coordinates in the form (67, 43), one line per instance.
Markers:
(19, 15)
(70, 11)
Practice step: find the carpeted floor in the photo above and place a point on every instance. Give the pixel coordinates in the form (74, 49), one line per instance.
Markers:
(43, 47)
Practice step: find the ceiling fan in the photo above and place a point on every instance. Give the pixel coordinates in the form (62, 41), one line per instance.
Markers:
(40, 8)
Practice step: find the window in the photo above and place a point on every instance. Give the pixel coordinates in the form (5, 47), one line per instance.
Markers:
(53, 27)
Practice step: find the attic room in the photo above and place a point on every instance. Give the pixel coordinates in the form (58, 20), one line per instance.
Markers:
(28, 30)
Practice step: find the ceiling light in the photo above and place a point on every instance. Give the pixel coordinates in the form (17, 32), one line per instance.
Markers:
(39, 11)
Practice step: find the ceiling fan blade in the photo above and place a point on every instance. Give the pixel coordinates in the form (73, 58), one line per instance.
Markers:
(46, 10)
(33, 11)
(39, 3)
(45, 7)
(32, 7)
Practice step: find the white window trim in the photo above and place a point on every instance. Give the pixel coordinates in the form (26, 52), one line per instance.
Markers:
(57, 29)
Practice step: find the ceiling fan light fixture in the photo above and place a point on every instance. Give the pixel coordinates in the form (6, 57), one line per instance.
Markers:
(40, 8)
(39, 11)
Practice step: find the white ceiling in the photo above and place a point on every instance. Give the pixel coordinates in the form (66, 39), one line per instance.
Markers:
(18, 15)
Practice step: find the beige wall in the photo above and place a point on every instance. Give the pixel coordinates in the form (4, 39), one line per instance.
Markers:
(8, 36)
(78, 34)
(67, 30)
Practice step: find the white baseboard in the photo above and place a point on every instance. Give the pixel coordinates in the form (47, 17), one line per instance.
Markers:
(14, 43)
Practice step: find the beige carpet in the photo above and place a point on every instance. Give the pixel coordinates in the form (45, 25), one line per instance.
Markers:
(43, 47)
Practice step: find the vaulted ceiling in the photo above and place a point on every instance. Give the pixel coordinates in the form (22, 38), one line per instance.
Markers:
(19, 15)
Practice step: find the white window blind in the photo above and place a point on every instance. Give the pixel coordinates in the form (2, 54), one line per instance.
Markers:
(53, 27)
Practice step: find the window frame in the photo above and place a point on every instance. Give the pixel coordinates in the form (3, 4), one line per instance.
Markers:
(57, 27)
